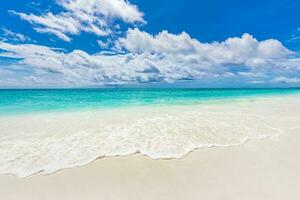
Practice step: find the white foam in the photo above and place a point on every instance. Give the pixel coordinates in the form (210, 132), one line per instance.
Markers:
(46, 143)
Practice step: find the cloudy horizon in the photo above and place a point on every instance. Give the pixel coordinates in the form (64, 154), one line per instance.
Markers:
(99, 43)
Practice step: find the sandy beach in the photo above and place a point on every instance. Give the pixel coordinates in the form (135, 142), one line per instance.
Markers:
(261, 169)
(265, 167)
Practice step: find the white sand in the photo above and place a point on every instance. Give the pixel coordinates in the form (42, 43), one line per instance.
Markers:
(262, 169)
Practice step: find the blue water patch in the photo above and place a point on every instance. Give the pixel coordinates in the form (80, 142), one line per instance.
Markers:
(45, 100)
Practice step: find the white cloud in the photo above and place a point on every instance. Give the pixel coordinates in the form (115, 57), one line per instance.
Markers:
(54, 32)
(9, 35)
(252, 74)
(294, 38)
(92, 16)
(233, 51)
(256, 82)
(164, 57)
(121, 9)
(283, 79)
(104, 45)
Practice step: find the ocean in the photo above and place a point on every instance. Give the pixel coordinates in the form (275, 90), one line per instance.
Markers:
(24, 101)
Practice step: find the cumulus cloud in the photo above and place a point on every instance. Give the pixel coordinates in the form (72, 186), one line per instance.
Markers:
(92, 16)
(233, 51)
(121, 9)
(140, 57)
(134, 56)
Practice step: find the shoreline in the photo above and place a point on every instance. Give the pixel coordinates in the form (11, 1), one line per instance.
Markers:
(248, 140)
(262, 169)
(159, 133)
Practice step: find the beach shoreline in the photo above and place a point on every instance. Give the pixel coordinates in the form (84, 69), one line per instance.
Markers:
(46, 143)
(257, 140)
(261, 169)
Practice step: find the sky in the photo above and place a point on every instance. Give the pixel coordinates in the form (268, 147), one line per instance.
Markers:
(149, 43)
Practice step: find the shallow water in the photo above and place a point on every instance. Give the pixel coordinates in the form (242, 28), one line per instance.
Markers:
(46, 100)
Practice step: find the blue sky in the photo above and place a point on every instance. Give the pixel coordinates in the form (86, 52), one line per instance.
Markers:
(67, 43)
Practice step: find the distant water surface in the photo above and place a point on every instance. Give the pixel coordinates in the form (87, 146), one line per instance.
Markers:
(19, 101)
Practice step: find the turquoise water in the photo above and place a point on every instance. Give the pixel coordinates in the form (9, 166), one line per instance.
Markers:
(40, 100)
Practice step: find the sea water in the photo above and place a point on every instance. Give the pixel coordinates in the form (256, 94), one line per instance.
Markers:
(47, 100)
